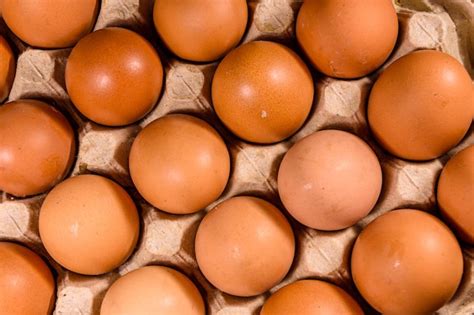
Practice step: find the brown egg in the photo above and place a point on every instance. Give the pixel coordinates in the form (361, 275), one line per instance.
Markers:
(262, 91)
(407, 262)
(89, 224)
(50, 23)
(456, 193)
(421, 105)
(346, 38)
(26, 283)
(311, 297)
(37, 147)
(179, 164)
(244, 246)
(329, 180)
(114, 76)
(200, 30)
(7, 68)
(153, 290)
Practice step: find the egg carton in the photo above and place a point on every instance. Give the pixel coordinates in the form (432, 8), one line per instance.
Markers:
(167, 239)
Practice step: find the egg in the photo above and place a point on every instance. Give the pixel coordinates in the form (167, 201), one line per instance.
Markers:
(50, 23)
(114, 76)
(200, 30)
(407, 262)
(311, 297)
(153, 290)
(345, 38)
(7, 68)
(421, 105)
(89, 224)
(244, 246)
(37, 147)
(262, 91)
(26, 283)
(456, 191)
(329, 180)
(179, 164)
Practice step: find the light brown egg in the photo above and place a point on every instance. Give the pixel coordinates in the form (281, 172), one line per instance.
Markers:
(456, 193)
(311, 297)
(346, 38)
(200, 30)
(329, 180)
(262, 91)
(179, 164)
(50, 23)
(7, 68)
(421, 105)
(114, 76)
(407, 262)
(26, 283)
(153, 290)
(37, 147)
(244, 246)
(89, 224)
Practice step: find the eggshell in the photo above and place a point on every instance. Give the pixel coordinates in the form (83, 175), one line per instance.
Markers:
(89, 224)
(50, 23)
(262, 91)
(26, 283)
(200, 30)
(179, 164)
(7, 68)
(407, 262)
(421, 105)
(456, 193)
(114, 76)
(153, 290)
(311, 297)
(346, 38)
(244, 246)
(329, 180)
(37, 147)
